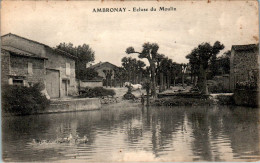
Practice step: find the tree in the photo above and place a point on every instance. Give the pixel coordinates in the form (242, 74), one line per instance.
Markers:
(166, 68)
(109, 74)
(126, 63)
(120, 75)
(88, 73)
(203, 54)
(183, 70)
(149, 52)
(176, 70)
(134, 68)
(223, 62)
(159, 71)
(194, 65)
(84, 55)
(140, 69)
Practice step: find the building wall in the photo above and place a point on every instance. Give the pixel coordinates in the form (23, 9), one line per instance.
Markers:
(241, 63)
(91, 83)
(5, 67)
(55, 61)
(18, 66)
(23, 44)
(58, 62)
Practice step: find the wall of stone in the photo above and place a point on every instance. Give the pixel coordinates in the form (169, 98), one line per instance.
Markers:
(73, 105)
(91, 84)
(58, 62)
(19, 66)
(241, 63)
(55, 61)
(5, 68)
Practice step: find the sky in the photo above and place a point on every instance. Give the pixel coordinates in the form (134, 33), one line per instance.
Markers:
(110, 33)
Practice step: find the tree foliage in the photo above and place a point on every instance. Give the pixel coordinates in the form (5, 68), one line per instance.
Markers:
(150, 52)
(223, 63)
(200, 57)
(88, 74)
(134, 69)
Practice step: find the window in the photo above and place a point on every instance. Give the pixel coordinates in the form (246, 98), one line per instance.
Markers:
(18, 82)
(30, 68)
(10, 81)
(67, 68)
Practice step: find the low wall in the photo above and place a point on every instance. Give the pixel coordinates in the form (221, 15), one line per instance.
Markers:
(71, 105)
(246, 97)
(91, 83)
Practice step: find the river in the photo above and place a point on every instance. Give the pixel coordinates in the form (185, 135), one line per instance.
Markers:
(126, 131)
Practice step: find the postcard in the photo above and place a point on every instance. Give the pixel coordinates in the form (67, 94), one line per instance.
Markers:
(135, 81)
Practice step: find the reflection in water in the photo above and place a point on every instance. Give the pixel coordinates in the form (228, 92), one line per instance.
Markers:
(119, 133)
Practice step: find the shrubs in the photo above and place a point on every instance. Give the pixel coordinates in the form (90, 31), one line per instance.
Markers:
(252, 85)
(218, 88)
(182, 101)
(96, 92)
(23, 100)
(225, 100)
(129, 95)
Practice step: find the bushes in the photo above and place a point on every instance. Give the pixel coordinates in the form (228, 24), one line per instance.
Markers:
(182, 101)
(247, 85)
(225, 100)
(97, 92)
(23, 100)
(218, 88)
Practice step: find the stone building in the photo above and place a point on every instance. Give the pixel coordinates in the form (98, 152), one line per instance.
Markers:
(55, 68)
(21, 68)
(100, 67)
(244, 64)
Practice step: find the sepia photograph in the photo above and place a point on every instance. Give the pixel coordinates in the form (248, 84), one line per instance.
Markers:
(130, 81)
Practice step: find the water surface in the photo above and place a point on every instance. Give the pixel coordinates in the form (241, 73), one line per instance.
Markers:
(129, 132)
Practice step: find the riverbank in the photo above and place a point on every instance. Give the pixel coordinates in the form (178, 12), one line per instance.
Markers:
(73, 104)
(67, 105)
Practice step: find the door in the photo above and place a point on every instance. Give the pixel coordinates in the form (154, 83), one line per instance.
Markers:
(53, 83)
(64, 88)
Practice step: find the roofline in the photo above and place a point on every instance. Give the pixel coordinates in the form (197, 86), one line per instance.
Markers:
(3, 47)
(98, 64)
(22, 55)
(25, 39)
(66, 53)
(233, 46)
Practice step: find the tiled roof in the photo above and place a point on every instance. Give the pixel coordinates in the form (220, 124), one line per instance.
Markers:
(19, 52)
(100, 64)
(245, 47)
(61, 52)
